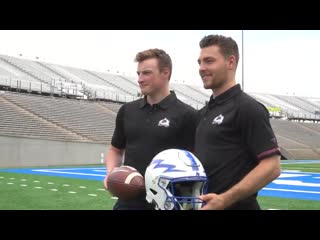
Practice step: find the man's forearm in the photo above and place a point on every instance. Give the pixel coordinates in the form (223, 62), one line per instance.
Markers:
(264, 173)
(113, 158)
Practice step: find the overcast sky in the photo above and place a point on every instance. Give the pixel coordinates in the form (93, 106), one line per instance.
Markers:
(281, 62)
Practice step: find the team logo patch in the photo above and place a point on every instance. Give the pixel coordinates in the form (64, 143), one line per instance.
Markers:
(218, 120)
(164, 123)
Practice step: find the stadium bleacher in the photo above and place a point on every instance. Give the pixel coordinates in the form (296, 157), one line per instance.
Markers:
(97, 96)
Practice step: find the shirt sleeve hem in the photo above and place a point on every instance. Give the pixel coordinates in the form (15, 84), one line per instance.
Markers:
(269, 153)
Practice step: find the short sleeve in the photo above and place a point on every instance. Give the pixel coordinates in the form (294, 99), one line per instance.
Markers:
(119, 138)
(256, 130)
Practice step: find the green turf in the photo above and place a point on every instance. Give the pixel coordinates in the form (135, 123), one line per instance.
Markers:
(304, 167)
(287, 203)
(17, 197)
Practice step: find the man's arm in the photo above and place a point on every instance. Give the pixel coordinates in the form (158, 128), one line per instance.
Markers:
(265, 172)
(118, 143)
(113, 159)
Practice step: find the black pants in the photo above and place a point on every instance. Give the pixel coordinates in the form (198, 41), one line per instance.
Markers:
(247, 204)
(137, 204)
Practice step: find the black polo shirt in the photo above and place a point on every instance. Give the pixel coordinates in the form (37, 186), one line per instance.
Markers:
(233, 135)
(144, 130)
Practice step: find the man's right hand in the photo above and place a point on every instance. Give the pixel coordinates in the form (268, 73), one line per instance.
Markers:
(213, 202)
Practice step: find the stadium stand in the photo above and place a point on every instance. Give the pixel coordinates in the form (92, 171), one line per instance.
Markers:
(300, 141)
(60, 103)
(88, 120)
(112, 106)
(17, 122)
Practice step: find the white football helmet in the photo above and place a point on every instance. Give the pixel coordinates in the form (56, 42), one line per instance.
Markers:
(174, 180)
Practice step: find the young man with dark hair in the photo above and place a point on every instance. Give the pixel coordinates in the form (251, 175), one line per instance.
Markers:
(234, 139)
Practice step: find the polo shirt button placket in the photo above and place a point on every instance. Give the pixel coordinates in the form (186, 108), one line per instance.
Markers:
(148, 117)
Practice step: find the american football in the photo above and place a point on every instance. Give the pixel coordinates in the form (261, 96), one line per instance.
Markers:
(125, 182)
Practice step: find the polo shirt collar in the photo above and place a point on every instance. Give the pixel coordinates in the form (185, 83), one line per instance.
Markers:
(164, 104)
(226, 95)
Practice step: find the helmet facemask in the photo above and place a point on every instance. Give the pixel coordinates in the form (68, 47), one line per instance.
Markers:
(183, 193)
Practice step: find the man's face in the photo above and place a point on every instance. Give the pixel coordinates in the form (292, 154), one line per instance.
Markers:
(150, 78)
(212, 67)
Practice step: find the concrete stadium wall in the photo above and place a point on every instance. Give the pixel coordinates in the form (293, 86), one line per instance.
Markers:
(25, 152)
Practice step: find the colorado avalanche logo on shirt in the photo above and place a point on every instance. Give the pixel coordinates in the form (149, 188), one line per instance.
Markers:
(218, 120)
(164, 123)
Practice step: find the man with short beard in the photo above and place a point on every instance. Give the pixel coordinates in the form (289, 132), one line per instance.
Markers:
(234, 139)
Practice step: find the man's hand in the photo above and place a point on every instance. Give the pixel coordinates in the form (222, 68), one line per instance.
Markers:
(213, 202)
(105, 182)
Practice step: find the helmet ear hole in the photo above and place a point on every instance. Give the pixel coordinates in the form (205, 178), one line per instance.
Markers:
(154, 192)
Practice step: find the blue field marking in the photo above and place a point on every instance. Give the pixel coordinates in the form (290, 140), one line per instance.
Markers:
(290, 184)
(293, 184)
(91, 173)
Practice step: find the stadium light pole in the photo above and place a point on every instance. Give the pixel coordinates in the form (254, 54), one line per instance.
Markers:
(242, 62)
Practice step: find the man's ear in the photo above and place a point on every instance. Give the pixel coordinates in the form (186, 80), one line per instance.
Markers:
(166, 72)
(232, 62)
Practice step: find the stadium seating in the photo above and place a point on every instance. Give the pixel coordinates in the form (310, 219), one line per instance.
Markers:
(84, 119)
(97, 96)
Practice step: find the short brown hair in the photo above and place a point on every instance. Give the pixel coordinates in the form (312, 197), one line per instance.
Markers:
(227, 45)
(164, 60)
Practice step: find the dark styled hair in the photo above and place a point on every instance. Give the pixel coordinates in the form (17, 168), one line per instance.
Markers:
(227, 45)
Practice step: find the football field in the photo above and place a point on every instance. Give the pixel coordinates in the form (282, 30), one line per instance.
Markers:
(81, 188)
